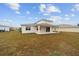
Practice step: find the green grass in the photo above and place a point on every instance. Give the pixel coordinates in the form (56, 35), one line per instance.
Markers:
(58, 44)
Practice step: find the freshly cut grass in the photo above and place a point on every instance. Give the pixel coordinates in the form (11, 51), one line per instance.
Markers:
(58, 44)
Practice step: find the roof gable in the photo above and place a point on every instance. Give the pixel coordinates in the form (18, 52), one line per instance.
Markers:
(43, 22)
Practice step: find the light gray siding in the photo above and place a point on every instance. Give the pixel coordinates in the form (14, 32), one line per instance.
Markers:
(68, 29)
(4, 28)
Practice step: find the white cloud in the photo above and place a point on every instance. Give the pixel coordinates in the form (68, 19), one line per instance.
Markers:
(17, 12)
(33, 7)
(72, 9)
(55, 18)
(27, 12)
(46, 14)
(42, 7)
(66, 15)
(72, 15)
(67, 18)
(49, 8)
(14, 6)
(6, 22)
(69, 15)
(36, 18)
(75, 8)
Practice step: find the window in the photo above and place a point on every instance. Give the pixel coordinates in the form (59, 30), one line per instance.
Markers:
(27, 28)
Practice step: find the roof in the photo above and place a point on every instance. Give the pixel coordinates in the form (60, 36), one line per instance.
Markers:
(44, 20)
(28, 24)
(44, 24)
(34, 24)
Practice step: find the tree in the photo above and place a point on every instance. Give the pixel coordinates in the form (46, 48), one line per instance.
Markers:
(77, 24)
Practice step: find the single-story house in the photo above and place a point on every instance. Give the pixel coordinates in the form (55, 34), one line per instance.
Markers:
(4, 28)
(47, 27)
(40, 27)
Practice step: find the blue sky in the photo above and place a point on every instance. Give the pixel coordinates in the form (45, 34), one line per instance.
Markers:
(60, 13)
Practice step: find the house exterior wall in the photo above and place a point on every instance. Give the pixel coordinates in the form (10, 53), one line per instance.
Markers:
(5, 28)
(32, 29)
(41, 29)
(68, 29)
(1, 28)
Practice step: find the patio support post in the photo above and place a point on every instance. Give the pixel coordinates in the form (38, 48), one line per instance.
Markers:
(39, 29)
(51, 29)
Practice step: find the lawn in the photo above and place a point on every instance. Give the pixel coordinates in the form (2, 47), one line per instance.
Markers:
(57, 44)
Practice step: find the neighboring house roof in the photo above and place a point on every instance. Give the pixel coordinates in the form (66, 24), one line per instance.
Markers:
(3, 26)
(56, 26)
(68, 26)
(65, 26)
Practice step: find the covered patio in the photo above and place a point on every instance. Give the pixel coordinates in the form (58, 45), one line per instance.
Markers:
(44, 29)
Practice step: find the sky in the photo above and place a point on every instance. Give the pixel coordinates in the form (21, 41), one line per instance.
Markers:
(15, 14)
